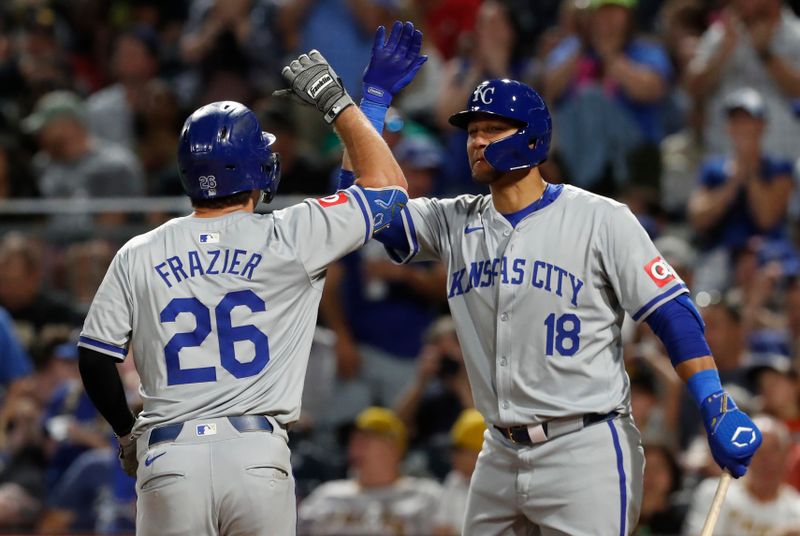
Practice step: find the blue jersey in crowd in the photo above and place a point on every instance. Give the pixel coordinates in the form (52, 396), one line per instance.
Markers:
(737, 226)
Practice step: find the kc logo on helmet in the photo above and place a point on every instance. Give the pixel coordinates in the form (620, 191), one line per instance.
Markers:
(483, 93)
(660, 272)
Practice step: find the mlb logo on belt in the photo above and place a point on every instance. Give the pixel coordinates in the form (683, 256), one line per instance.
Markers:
(660, 272)
(207, 429)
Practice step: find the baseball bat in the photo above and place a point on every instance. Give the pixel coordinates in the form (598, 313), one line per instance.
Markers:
(716, 504)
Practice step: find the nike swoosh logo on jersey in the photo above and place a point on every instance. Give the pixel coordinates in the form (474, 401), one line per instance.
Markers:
(150, 459)
(469, 229)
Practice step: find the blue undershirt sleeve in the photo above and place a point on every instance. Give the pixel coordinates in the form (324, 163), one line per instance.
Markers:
(680, 327)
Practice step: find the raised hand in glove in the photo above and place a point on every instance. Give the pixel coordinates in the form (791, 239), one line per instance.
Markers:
(127, 454)
(393, 64)
(732, 435)
(313, 81)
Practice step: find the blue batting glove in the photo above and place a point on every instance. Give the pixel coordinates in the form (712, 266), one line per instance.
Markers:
(393, 64)
(732, 435)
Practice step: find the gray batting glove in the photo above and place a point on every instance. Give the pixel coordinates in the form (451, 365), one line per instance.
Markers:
(313, 81)
(127, 455)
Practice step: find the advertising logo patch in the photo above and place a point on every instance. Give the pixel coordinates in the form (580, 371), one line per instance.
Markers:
(660, 272)
(333, 200)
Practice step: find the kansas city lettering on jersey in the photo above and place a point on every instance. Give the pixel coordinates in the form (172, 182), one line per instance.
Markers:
(176, 269)
(539, 274)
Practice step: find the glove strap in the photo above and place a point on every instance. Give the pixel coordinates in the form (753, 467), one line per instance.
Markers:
(377, 94)
(715, 405)
(338, 107)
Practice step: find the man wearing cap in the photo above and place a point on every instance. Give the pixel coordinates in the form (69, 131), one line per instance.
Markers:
(758, 503)
(742, 194)
(71, 163)
(377, 500)
(610, 80)
(754, 43)
(466, 439)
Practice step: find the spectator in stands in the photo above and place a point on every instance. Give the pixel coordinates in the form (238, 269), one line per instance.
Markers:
(754, 43)
(661, 514)
(15, 177)
(448, 23)
(466, 440)
(302, 172)
(72, 164)
(682, 24)
(86, 264)
(72, 504)
(233, 47)
(380, 310)
(775, 381)
(134, 63)
(792, 309)
(612, 82)
(493, 52)
(43, 57)
(22, 289)
(759, 502)
(440, 392)
(342, 30)
(741, 194)
(157, 124)
(14, 361)
(71, 420)
(378, 499)
(22, 471)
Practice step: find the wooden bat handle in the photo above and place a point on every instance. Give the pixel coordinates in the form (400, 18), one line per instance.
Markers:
(716, 504)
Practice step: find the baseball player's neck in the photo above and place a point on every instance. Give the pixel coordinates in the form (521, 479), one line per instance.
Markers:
(206, 212)
(511, 193)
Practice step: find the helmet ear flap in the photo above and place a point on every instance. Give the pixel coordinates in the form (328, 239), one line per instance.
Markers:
(272, 176)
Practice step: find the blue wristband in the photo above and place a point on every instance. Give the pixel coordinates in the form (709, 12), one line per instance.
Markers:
(375, 112)
(346, 179)
(704, 384)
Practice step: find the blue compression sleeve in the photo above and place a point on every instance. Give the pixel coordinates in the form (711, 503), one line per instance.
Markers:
(346, 179)
(704, 384)
(679, 326)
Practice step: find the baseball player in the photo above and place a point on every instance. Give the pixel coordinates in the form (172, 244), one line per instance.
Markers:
(218, 309)
(540, 276)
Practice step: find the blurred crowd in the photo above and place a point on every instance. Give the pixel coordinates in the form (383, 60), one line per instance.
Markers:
(686, 110)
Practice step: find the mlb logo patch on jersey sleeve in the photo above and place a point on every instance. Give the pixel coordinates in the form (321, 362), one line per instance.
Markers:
(332, 200)
(660, 271)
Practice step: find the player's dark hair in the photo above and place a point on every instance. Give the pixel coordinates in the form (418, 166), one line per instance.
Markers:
(239, 198)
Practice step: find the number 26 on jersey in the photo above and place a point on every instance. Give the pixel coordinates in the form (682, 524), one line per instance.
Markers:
(227, 334)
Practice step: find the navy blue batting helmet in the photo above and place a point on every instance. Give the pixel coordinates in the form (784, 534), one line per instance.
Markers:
(223, 151)
(518, 102)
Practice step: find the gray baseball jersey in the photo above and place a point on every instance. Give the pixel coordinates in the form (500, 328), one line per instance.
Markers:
(219, 313)
(538, 307)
